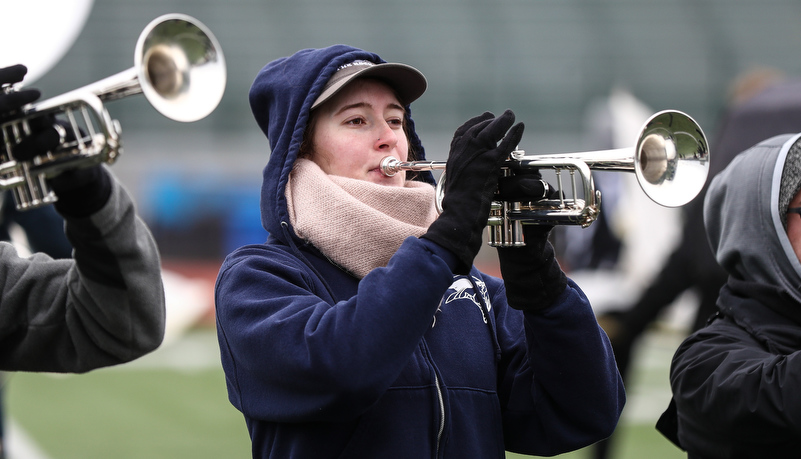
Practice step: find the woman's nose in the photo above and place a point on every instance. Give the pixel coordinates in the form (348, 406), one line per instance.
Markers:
(387, 137)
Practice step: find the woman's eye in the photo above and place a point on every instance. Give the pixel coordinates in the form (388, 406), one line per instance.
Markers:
(395, 122)
(356, 121)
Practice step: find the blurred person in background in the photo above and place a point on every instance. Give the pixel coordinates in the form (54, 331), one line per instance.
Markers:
(103, 306)
(361, 327)
(735, 381)
(762, 103)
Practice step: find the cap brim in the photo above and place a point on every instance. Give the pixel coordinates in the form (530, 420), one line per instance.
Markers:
(408, 82)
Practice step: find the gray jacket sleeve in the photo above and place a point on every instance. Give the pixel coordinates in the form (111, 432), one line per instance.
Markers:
(103, 307)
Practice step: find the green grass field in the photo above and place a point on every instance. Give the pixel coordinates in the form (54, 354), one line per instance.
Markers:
(173, 404)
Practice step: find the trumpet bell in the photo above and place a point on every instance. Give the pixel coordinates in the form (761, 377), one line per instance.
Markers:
(180, 67)
(671, 158)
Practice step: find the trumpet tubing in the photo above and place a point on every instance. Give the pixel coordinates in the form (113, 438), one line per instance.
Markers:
(178, 66)
(670, 159)
(391, 166)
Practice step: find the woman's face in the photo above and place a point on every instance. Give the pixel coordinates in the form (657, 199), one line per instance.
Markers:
(356, 129)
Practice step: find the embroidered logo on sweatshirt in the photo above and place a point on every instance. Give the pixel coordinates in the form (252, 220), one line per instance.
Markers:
(463, 289)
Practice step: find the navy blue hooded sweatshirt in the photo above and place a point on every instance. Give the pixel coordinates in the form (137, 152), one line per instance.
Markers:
(410, 361)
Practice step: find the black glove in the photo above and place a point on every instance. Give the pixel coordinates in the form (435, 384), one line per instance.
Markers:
(10, 102)
(531, 274)
(524, 186)
(81, 191)
(473, 169)
(43, 136)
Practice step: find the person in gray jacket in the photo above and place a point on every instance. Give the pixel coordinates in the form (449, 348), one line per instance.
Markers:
(105, 305)
(735, 382)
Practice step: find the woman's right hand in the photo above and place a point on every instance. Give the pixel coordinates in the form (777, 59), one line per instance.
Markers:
(478, 149)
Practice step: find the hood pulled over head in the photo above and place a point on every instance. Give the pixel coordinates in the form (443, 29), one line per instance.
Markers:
(284, 93)
(745, 214)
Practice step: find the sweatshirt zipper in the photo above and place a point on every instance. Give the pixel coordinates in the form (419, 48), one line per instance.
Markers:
(441, 413)
(440, 397)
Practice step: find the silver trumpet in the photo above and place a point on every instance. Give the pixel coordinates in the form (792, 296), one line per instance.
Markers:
(178, 66)
(670, 159)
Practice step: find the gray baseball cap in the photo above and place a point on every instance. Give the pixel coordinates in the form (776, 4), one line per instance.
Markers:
(408, 82)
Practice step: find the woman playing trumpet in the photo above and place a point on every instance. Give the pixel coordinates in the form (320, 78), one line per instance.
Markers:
(361, 327)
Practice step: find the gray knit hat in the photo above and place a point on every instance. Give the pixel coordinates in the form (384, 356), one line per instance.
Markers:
(791, 180)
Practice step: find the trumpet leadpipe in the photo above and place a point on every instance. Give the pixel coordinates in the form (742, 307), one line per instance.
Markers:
(391, 166)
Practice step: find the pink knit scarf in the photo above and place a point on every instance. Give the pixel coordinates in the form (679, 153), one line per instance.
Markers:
(358, 225)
